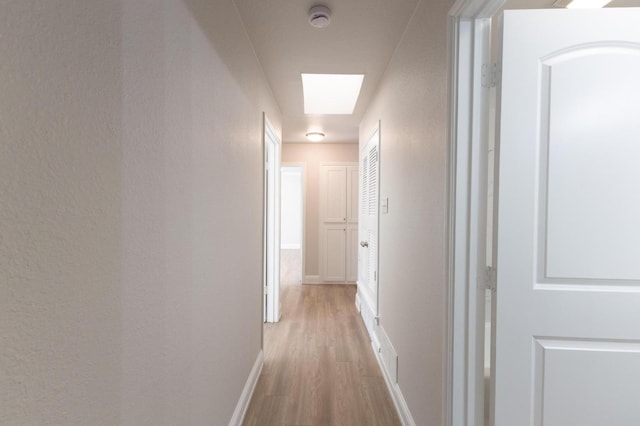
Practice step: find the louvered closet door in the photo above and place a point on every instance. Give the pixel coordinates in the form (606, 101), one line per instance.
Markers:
(363, 258)
(368, 248)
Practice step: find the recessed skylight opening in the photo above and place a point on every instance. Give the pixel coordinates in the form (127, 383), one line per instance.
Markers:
(581, 4)
(331, 93)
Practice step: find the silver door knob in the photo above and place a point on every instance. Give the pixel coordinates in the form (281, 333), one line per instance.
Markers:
(364, 243)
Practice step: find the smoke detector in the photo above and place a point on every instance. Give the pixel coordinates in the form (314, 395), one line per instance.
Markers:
(319, 16)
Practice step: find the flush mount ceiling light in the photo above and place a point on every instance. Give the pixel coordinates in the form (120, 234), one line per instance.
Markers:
(315, 136)
(331, 93)
(319, 16)
(581, 4)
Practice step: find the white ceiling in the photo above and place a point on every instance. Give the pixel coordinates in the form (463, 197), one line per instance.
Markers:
(360, 40)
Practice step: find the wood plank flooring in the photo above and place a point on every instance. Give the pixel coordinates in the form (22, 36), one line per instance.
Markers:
(319, 366)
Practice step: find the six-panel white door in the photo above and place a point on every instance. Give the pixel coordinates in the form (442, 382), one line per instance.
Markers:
(568, 284)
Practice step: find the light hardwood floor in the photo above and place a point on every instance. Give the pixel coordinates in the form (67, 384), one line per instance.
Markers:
(319, 366)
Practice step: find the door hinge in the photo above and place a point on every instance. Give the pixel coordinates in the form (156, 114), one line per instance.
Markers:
(266, 289)
(490, 278)
(490, 75)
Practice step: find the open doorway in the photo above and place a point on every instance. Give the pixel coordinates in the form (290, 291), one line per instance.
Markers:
(271, 224)
(291, 224)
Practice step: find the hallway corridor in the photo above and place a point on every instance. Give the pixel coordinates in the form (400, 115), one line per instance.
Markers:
(319, 367)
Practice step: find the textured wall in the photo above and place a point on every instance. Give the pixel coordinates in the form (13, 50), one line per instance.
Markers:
(312, 155)
(131, 211)
(60, 221)
(412, 106)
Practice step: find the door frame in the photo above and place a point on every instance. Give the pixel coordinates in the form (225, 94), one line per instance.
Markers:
(469, 49)
(271, 224)
(303, 207)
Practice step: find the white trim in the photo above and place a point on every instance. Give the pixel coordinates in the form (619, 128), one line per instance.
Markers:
(272, 309)
(469, 25)
(398, 399)
(396, 395)
(311, 279)
(247, 392)
(338, 163)
(290, 246)
(369, 317)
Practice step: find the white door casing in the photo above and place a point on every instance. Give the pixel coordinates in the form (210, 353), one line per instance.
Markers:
(568, 283)
(271, 224)
(469, 48)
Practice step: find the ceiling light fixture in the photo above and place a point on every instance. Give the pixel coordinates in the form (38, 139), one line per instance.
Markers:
(315, 136)
(581, 4)
(319, 16)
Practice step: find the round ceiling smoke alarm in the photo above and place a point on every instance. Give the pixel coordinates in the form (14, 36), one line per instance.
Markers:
(319, 16)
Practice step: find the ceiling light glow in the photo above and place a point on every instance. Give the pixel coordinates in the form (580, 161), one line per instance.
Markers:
(315, 136)
(331, 93)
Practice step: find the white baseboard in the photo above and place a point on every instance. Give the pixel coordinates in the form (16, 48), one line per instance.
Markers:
(311, 279)
(383, 348)
(389, 377)
(247, 392)
(369, 318)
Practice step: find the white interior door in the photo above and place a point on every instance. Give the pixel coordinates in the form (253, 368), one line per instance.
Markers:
(568, 283)
(368, 232)
(338, 220)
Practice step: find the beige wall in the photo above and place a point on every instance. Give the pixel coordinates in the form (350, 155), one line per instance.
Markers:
(312, 155)
(131, 211)
(412, 105)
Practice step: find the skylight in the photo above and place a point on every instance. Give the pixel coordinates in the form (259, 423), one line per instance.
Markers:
(331, 93)
(581, 4)
(587, 4)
